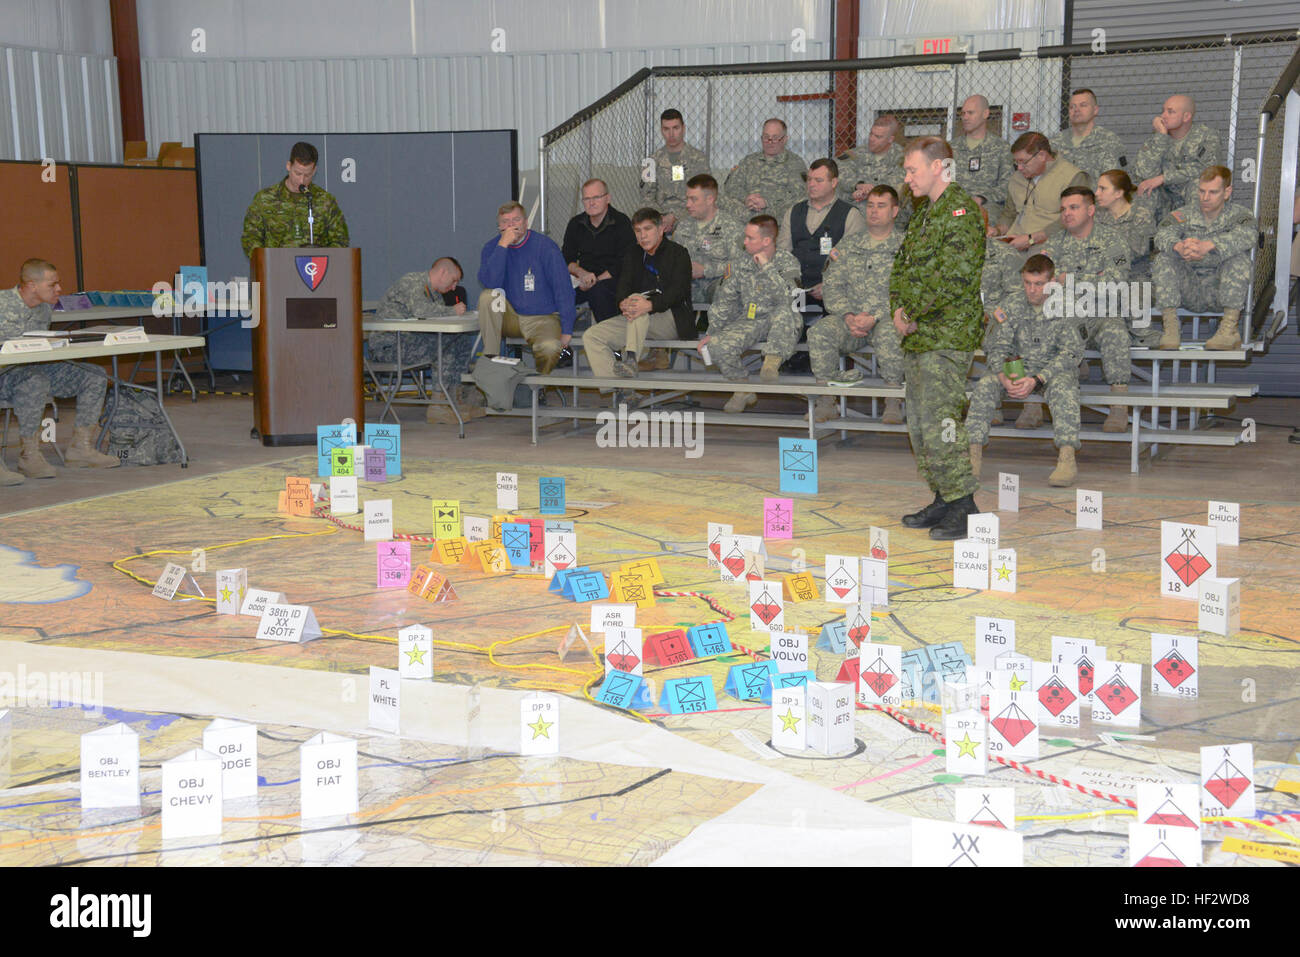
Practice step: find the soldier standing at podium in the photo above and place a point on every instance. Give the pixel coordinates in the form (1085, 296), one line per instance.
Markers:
(293, 212)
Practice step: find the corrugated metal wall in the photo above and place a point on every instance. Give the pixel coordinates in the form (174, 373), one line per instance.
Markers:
(1147, 19)
(63, 106)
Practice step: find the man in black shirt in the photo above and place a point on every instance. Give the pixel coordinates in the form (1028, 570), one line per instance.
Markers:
(594, 243)
(654, 297)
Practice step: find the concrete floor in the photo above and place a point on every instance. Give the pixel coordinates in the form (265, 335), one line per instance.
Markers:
(215, 430)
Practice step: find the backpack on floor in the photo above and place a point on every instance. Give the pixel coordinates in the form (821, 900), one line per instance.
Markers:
(138, 434)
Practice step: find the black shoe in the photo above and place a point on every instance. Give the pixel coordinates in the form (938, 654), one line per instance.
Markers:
(953, 525)
(929, 516)
(1294, 438)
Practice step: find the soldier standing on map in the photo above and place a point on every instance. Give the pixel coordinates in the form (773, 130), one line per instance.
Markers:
(294, 212)
(934, 293)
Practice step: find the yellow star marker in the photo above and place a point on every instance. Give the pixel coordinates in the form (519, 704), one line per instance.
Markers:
(1017, 682)
(1004, 573)
(541, 728)
(416, 655)
(225, 594)
(966, 746)
(788, 721)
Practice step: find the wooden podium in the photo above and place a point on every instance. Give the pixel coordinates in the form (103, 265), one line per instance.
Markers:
(307, 342)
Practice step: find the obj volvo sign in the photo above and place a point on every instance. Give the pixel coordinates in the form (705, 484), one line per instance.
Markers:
(311, 269)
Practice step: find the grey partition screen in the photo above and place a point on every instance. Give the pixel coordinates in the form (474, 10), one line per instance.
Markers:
(414, 196)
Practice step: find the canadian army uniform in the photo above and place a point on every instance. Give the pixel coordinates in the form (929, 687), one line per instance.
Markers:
(277, 217)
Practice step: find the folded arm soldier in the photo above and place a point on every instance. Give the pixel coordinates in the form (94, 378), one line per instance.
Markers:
(526, 290)
(26, 308)
(429, 294)
(594, 243)
(881, 163)
(1097, 255)
(856, 287)
(1173, 157)
(1204, 260)
(1137, 227)
(1049, 351)
(1092, 148)
(768, 181)
(754, 304)
(934, 295)
(672, 168)
(294, 212)
(982, 159)
(1033, 211)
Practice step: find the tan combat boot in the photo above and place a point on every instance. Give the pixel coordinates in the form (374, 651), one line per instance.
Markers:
(825, 409)
(1031, 416)
(1085, 370)
(82, 453)
(1117, 418)
(893, 414)
(1173, 336)
(32, 463)
(470, 402)
(1066, 471)
(771, 369)
(997, 417)
(656, 360)
(1226, 336)
(7, 477)
(976, 458)
(740, 402)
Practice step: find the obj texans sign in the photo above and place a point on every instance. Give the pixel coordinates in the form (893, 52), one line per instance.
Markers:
(312, 269)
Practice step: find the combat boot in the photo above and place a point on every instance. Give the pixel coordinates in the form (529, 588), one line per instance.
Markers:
(1117, 418)
(953, 525)
(976, 458)
(771, 369)
(1066, 471)
(657, 359)
(1085, 370)
(740, 402)
(1031, 416)
(1173, 336)
(929, 516)
(82, 453)
(1226, 336)
(32, 463)
(825, 409)
(7, 477)
(893, 414)
(997, 416)
(470, 402)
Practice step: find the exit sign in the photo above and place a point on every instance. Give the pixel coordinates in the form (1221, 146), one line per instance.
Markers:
(939, 45)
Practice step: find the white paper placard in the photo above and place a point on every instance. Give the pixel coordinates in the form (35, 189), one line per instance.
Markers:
(379, 519)
(1228, 780)
(169, 581)
(539, 724)
(1219, 605)
(717, 531)
(12, 346)
(983, 527)
(993, 636)
(1008, 492)
(477, 528)
(110, 767)
(296, 623)
(789, 718)
(328, 776)
(733, 549)
(766, 607)
(987, 807)
(875, 582)
(232, 586)
(559, 551)
(970, 565)
(623, 651)
(1117, 694)
(235, 745)
(1174, 665)
(606, 615)
(508, 491)
(1084, 655)
(343, 495)
(1188, 553)
(1087, 509)
(1150, 846)
(1056, 686)
(415, 652)
(966, 750)
(830, 717)
(880, 674)
(134, 334)
(790, 650)
(256, 601)
(842, 586)
(878, 543)
(1013, 725)
(1169, 805)
(385, 700)
(1002, 575)
(1225, 519)
(941, 844)
(191, 795)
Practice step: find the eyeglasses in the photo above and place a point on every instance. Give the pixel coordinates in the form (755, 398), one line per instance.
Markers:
(1025, 162)
(773, 139)
(592, 199)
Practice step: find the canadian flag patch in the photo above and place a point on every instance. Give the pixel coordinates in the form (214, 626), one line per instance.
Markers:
(959, 212)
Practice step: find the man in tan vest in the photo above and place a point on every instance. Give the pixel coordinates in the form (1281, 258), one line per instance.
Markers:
(1031, 215)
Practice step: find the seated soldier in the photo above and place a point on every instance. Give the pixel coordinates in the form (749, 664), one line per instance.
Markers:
(879, 163)
(28, 387)
(1203, 260)
(674, 164)
(429, 295)
(856, 288)
(1000, 278)
(771, 180)
(754, 304)
(981, 159)
(1032, 213)
(1048, 352)
(654, 293)
(1096, 258)
(1092, 148)
(1170, 160)
(1137, 227)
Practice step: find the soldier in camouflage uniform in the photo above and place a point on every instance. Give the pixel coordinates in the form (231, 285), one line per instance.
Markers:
(429, 295)
(1137, 227)
(1092, 148)
(982, 159)
(771, 180)
(1172, 158)
(674, 165)
(26, 308)
(754, 304)
(278, 215)
(881, 162)
(855, 288)
(1050, 350)
(1203, 260)
(1091, 255)
(934, 297)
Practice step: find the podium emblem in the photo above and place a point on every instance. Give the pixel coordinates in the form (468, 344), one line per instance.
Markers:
(312, 269)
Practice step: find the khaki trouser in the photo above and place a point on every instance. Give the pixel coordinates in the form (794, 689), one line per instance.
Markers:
(541, 332)
(622, 335)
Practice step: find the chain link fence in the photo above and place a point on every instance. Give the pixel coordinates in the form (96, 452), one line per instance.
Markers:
(828, 106)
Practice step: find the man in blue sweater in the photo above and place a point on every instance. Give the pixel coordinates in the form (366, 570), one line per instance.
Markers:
(526, 290)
